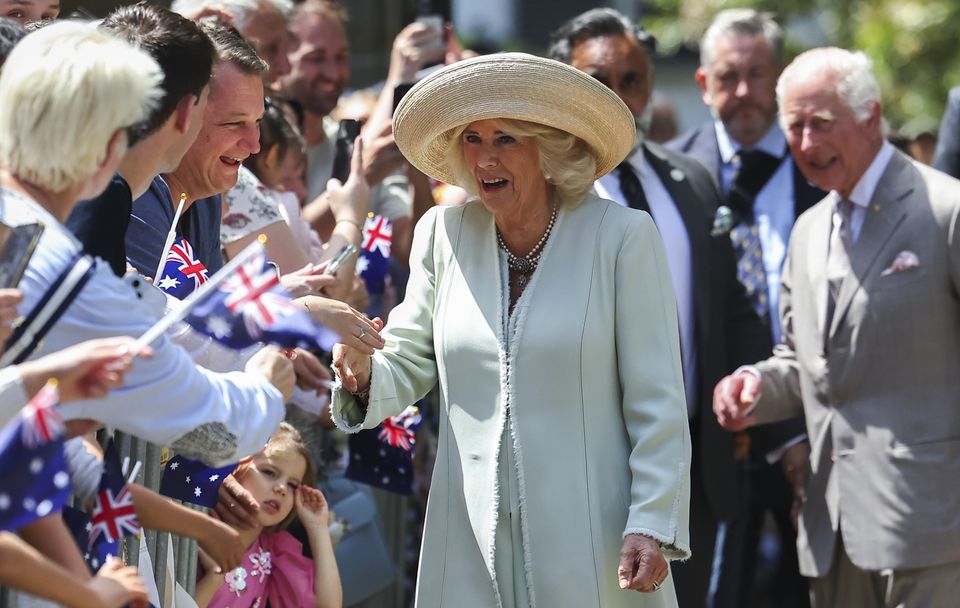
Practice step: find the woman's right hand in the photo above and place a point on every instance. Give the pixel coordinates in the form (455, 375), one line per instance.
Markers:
(352, 366)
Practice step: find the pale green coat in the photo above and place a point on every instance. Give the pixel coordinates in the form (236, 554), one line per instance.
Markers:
(596, 396)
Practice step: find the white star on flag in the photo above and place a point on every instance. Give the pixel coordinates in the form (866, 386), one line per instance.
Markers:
(168, 282)
(362, 265)
(188, 479)
(197, 491)
(174, 465)
(219, 327)
(214, 477)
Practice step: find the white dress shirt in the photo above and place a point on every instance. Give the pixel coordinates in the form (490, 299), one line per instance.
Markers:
(166, 399)
(677, 244)
(773, 208)
(862, 193)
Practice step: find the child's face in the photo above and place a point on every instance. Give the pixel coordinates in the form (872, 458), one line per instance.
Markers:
(28, 11)
(273, 481)
(287, 175)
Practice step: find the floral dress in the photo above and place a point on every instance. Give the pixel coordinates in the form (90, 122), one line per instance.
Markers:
(274, 570)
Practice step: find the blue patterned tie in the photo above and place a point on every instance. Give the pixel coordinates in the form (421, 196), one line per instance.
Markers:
(755, 169)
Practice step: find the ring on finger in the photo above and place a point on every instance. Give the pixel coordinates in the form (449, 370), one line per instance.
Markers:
(233, 504)
(362, 333)
(656, 586)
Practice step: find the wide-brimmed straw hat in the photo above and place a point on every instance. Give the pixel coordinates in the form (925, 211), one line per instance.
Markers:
(510, 85)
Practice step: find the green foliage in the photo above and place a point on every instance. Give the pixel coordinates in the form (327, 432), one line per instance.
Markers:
(913, 43)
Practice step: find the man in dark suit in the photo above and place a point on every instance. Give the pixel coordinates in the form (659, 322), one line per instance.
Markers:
(682, 198)
(947, 157)
(746, 152)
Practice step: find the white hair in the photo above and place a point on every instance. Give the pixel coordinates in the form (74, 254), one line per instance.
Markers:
(566, 161)
(741, 23)
(64, 91)
(852, 73)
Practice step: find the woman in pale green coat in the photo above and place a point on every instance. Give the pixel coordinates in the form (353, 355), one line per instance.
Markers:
(547, 317)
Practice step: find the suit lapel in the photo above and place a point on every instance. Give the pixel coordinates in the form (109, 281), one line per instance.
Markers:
(817, 243)
(677, 184)
(883, 216)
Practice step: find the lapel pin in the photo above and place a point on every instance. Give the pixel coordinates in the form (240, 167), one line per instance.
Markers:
(677, 175)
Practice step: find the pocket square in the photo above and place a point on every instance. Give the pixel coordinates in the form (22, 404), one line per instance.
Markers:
(905, 260)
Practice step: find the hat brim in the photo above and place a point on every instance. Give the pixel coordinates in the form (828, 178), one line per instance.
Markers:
(516, 86)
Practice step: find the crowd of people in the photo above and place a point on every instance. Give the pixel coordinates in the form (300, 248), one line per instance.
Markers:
(643, 355)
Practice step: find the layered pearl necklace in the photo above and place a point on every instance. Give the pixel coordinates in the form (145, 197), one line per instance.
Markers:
(524, 266)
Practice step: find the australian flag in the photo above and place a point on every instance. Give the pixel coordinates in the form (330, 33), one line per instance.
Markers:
(33, 465)
(374, 260)
(114, 515)
(78, 523)
(193, 481)
(182, 272)
(250, 306)
(383, 457)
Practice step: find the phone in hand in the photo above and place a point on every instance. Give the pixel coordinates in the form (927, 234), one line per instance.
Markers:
(17, 245)
(437, 50)
(346, 134)
(398, 92)
(340, 259)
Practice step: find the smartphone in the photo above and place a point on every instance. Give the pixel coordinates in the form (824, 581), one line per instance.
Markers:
(398, 92)
(439, 49)
(340, 259)
(346, 134)
(17, 245)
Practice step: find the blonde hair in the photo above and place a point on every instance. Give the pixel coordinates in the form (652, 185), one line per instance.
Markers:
(566, 161)
(287, 440)
(64, 91)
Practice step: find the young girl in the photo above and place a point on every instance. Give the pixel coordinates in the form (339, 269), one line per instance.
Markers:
(274, 570)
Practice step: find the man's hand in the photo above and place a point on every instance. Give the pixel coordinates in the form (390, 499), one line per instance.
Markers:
(795, 463)
(416, 45)
(381, 156)
(271, 363)
(235, 505)
(732, 399)
(642, 565)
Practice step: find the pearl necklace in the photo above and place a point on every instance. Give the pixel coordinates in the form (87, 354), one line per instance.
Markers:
(525, 265)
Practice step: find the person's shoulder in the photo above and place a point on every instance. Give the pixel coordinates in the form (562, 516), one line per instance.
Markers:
(687, 140)
(689, 165)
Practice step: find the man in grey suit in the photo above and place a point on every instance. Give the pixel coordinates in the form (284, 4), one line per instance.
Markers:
(871, 349)
(718, 328)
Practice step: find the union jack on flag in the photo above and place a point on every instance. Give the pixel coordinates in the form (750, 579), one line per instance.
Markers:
(399, 431)
(251, 306)
(114, 515)
(41, 421)
(377, 235)
(33, 465)
(182, 272)
(374, 261)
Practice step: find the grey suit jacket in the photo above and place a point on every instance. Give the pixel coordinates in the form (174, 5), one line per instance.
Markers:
(880, 387)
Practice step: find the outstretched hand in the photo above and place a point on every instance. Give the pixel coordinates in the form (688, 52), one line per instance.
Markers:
(352, 366)
(734, 398)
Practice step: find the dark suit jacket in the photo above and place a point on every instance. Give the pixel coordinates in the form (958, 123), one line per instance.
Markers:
(947, 158)
(727, 330)
(701, 144)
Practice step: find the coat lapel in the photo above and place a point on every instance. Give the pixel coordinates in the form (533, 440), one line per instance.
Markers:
(677, 184)
(817, 244)
(883, 216)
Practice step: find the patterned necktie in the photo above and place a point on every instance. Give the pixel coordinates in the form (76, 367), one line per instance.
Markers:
(754, 172)
(631, 188)
(838, 258)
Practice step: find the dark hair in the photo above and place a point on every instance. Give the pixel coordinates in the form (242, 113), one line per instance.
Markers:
(233, 48)
(596, 23)
(329, 8)
(10, 34)
(184, 53)
(275, 130)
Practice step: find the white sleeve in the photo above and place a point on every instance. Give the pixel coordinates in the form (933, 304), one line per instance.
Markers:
(12, 394)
